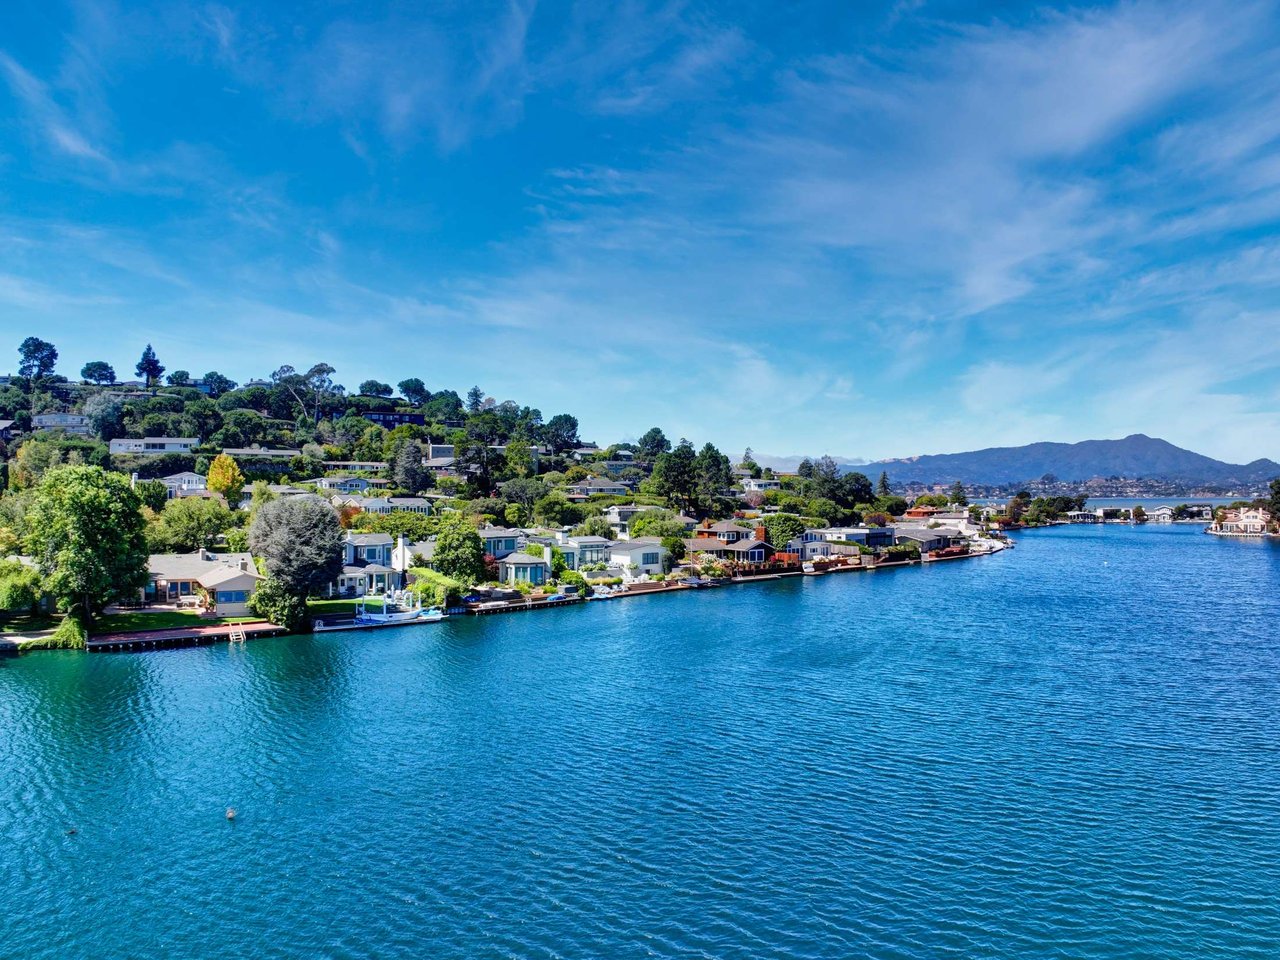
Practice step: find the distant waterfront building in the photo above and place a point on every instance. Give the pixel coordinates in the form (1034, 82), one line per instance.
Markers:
(1244, 522)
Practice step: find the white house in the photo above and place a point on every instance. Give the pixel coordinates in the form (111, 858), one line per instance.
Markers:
(1160, 514)
(760, 484)
(184, 484)
(382, 505)
(153, 446)
(406, 554)
(638, 557)
(1245, 522)
(583, 551)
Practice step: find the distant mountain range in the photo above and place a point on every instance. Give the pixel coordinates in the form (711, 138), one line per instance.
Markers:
(1134, 456)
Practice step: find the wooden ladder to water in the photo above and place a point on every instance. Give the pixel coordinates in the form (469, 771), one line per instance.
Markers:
(237, 635)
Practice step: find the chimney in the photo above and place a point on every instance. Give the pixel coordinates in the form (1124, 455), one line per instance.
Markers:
(761, 533)
(244, 564)
(203, 553)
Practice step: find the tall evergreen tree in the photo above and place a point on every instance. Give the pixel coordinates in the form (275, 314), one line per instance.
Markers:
(149, 367)
(882, 486)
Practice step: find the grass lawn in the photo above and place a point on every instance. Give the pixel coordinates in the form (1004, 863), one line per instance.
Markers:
(34, 624)
(319, 608)
(137, 621)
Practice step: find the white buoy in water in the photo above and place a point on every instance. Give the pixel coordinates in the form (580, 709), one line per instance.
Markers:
(231, 813)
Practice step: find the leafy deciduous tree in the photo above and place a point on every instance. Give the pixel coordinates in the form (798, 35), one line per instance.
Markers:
(301, 543)
(98, 371)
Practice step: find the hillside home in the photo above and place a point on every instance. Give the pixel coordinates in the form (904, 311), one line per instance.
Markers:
(269, 453)
(70, 422)
(597, 486)
(383, 505)
(153, 446)
(726, 531)
(184, 484)
(6, 430)
(760, 485)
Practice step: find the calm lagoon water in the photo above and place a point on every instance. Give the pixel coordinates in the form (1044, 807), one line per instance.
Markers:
(1071, 749)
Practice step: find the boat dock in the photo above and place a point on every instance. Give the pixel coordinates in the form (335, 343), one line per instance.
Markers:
(519, 606)
(183, 636)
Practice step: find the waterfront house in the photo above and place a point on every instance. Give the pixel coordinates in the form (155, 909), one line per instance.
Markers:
(176, 577)
(70, 422)
(1242, 522)
(366, 565)
(583, 551)
(921, 513)
(751, 550)
(725, 530)
(1161, 514)
(416, 554)
(153, 446)
(523, 568)
(643, 556)
(500, 541)
(1084, 516)
(928, 539)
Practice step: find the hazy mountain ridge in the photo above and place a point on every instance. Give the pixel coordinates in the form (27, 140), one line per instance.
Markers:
(1134, 456)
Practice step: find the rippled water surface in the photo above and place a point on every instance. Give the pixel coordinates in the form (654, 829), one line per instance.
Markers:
(1066, 750)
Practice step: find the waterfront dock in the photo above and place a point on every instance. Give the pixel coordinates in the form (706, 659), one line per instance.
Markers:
(183, 636)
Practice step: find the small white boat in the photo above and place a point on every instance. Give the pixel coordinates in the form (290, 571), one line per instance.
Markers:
(415, 613)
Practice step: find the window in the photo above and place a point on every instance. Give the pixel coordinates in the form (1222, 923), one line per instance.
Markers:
(755, 556)
(649, 559)
(232, 596)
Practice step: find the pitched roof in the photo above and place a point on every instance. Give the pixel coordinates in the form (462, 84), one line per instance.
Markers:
(191, 566)
(368, 539)
(523, 559)
(215, 578)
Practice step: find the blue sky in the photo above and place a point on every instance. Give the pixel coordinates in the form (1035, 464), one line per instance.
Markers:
(874, 229)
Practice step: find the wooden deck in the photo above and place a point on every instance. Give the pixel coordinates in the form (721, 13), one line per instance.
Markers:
(182, 636)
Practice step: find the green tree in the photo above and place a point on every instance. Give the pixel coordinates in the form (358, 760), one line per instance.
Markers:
(226, 478)
(414, 390)
(524, 491)
(882, 485)
(153, 494)
(37, 358)
(274, 603)
(407, 470)
(106, 416)
(179, 378)
(149, 368)
(300, 541)
(376, 388)
(652, 445)
(98, 371)
(713, 476)
(459, 550)
(20, 589)
(519, 456)
(782, 528)
(594, 527)
(475, 399)
(189, 523)
(217, 384)
(675, 476)
(86, 532)
(561, 432)
(957, 495)
(655, 523)
(1273, 502)
(556, 511)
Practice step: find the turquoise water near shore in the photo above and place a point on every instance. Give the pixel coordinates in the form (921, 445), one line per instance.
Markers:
(1066, 750)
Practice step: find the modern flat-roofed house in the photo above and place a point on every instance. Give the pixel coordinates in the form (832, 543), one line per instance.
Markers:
(70, 422)
(523, 568)
(153, 446)
(580, 552)
(760, 484)
(394, 418)
(228, 579)
(639, 557)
